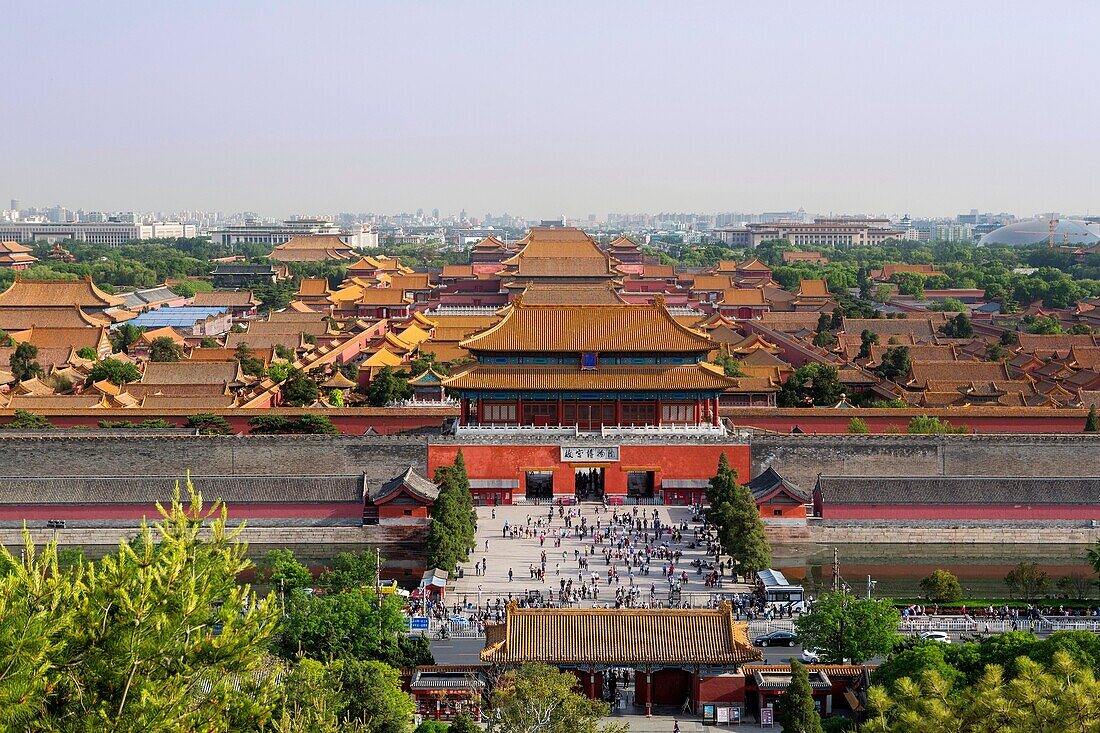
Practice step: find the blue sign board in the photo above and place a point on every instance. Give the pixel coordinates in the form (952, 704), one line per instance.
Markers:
(418, 623)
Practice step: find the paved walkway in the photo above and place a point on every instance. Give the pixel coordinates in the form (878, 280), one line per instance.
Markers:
(519, 554)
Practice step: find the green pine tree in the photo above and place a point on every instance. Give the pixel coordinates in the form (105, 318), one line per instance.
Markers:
(1092, 423)
(796, 705)
(734, 513)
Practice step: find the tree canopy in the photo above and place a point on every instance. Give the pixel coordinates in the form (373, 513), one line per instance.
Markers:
(842, 626)
(734, 514)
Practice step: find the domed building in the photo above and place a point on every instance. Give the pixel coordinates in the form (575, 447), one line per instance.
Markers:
(1037, 231)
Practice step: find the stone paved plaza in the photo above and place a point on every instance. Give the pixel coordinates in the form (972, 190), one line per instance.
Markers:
(519, 554)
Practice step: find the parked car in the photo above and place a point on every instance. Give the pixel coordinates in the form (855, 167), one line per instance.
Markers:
(777, 638)
(936, 636)
(813, 656)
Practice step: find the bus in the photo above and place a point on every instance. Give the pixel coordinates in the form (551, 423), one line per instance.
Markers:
(778, 593)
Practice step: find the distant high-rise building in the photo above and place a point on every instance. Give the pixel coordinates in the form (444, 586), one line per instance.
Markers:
(15, 204)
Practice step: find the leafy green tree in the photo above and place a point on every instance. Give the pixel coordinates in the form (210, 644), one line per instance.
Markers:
(123, 337)
(895, 363)
(284, 352)
(163, 348)
(209, 342)
(731, 367)
(24, 420)
(336, 397)
(23, 362)
(250, 364)
(158, 636)
(537, 697)
(949, 305)
(958, 327)
(299, 389)
(209, 424)
(463, 723)
(995, 352)
(797, 713)
(910, 283)
(387, 388)
(356, 624)
(373, 695)
(5, 339)
(812, 384)
(734, 513)
(345, 695)
(269, 425)
(1081, 329)
(915, 660)
(87, 352)
(843, 626)
(867, 339)
(284, 571)
(941, 587)
(114, 371)
(824, 339)
(350, 570)
(279, 371)
(857, 426)
(1092, 424)
(924, 425)
(1027, 579)
(311, 424)
(188, 288)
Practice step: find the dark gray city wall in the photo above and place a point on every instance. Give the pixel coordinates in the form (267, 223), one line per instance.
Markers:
(379, 457)
(801, 458)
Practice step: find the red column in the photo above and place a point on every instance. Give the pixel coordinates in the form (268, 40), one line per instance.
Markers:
(648, 695)
(519, 411)
(618, 410)
(561, 413)
(465, 419)
(716, 421)
(695, 412)
(479, 410)
(659, 410)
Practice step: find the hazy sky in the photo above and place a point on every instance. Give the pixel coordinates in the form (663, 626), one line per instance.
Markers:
(539, 108)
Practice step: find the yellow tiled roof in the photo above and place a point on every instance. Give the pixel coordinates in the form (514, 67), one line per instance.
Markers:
(313, 286)
(743, 296)
(813, 289)
(57, 292)
(577, 328)
(561, 377)
(383, 357)
(620, 636)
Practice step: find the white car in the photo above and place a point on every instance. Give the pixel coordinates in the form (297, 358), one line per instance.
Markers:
(810, 656)
(936, 636)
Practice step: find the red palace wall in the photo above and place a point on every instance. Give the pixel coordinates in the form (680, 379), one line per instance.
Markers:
(131, 512)
(685, 461)
(726, 689)
(960, 511)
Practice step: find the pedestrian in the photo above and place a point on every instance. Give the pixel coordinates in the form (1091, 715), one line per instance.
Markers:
(509, 575)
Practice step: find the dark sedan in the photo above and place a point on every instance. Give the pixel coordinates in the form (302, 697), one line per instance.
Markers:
(777, 638)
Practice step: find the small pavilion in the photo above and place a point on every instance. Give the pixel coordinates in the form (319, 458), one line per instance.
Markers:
(675, 656)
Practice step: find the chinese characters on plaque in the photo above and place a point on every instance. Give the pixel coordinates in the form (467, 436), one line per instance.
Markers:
(570, 453)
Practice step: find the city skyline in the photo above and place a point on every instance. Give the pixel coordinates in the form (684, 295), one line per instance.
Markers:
(539, 111)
